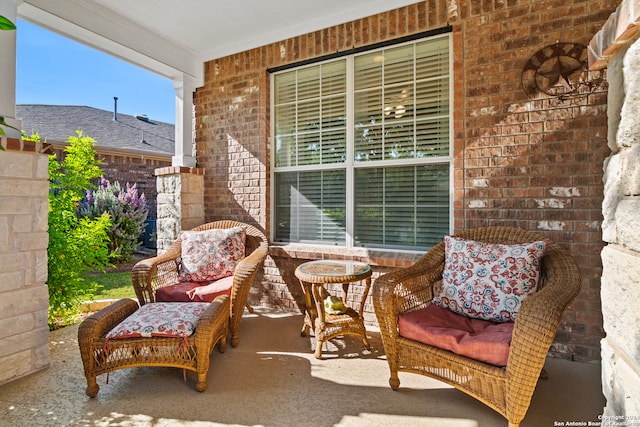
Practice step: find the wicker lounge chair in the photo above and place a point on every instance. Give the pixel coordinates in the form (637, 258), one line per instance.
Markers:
(153, 273)
(509, 389)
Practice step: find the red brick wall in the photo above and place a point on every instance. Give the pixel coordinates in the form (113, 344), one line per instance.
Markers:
(534, 164)
(531, 164)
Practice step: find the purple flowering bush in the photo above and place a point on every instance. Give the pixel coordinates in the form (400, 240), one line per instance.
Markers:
(128, 211)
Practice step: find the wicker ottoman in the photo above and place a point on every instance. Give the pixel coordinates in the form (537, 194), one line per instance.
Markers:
(101, 355)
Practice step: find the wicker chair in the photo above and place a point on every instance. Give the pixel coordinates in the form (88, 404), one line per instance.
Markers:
(508, 389)
(153, 273)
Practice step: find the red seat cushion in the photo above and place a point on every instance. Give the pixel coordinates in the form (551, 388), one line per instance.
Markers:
(210, 291)
(194, 291)
(477, 339)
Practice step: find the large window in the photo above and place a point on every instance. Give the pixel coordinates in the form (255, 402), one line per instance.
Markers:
(362, 148)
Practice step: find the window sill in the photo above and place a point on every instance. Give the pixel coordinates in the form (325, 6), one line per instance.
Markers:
(374, 257)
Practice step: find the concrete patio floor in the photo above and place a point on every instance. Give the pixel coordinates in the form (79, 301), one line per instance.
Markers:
(272, 379)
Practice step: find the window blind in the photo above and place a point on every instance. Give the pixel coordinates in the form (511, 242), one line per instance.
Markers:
(398, 177)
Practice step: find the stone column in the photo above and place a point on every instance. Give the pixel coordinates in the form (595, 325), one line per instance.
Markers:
(24, 297)
(621, 257)
(180, 202)
(617, 48)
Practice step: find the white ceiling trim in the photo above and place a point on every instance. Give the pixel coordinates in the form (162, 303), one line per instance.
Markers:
(286, 28)
(175, 38)
(123, 40)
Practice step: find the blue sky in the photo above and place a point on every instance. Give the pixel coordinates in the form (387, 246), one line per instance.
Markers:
(55, 70)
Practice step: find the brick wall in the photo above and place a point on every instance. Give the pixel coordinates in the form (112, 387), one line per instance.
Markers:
(24, 298)
(534, 164)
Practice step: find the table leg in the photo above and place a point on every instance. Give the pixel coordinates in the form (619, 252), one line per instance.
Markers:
(305, 329)
(365, 341)
(345, 291)
(318, 352)
(319, 294)
(364, 297)
(361, 312)
(308, 309)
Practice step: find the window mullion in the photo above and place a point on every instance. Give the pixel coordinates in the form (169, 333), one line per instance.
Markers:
(415, 145)
(415, 104)
(350, 174)
(415, 204)
(297, 130)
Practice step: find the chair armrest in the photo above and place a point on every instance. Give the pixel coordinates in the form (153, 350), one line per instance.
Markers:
(248, 265)
(95, 327)
(208, 321)
(99, 324)
(153, 273)
(406, 289)
(243, 277)
(541, 312)
(537, 322)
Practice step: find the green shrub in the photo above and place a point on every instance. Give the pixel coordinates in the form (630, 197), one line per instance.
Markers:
(128, 211)
(75, 244)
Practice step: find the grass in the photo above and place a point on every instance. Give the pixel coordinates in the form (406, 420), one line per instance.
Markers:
(113, 285)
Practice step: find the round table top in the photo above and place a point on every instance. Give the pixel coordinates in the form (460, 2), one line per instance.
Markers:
(332, 271)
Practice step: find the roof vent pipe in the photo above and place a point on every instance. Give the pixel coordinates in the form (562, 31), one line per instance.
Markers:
(115, 108)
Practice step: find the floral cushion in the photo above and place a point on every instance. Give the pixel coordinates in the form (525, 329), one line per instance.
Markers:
(486, 280)
(160, 319)
(211, 254)
(477, 339)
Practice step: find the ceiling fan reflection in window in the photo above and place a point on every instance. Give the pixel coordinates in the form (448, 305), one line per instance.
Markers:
(396, 106)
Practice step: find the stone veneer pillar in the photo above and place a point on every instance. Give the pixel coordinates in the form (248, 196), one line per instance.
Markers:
(617, 48)
(180, 202)
(24, 298)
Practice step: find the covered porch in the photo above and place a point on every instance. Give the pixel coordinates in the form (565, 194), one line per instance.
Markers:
(533, 163)
(272, 379)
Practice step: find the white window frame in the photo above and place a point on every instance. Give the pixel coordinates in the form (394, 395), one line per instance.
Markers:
(350, 165)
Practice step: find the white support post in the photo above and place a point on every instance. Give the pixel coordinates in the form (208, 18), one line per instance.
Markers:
(184, 87)
(9, 9)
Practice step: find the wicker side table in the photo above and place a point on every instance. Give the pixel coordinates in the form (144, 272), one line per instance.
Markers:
(313, 276)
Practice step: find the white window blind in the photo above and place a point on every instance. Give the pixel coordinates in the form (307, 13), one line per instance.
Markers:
(362, 148)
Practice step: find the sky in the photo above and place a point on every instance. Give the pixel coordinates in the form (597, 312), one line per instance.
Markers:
(52, 69)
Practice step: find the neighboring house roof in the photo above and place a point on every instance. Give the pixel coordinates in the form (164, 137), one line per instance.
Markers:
(56, 123)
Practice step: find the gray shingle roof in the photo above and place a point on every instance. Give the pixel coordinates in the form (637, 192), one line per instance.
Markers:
(55, 123)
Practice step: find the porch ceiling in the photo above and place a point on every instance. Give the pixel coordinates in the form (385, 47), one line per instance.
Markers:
(172, 37)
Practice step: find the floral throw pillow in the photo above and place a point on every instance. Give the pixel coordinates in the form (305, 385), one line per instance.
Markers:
(209, 255)
(160, 319)
(486, 280)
